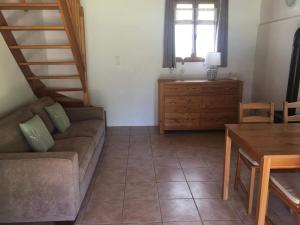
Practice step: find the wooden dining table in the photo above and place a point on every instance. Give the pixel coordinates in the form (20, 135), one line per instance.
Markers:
(274, 146)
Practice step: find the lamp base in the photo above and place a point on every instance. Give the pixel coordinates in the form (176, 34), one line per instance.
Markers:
(212, 73)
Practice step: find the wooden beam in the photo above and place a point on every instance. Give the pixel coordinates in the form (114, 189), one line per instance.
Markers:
(40, 47)
(31, 28)
(28, 6)
(64, 10)
(54, 77)
(47, 63)
(62, 89)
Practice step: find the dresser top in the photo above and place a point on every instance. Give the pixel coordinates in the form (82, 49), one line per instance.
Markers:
(196, 81)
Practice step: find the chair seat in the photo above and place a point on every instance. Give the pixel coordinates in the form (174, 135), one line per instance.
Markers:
(288, 184)
(252, 161)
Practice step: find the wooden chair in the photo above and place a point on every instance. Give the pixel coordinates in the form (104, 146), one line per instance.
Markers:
(286, 187)
(290, 106)
(251, 113)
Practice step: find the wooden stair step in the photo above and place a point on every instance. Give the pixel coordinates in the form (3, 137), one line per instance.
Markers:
(54, 77)
(29, 6)
(63, 89)
(31, 28)
(40, 47)
(47, 63)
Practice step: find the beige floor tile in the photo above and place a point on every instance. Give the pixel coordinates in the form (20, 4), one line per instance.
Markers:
(137, 174)
(215, 209)
(111, 175)
(107, 192)
(184, 223)
(141, 191)
(136, 211)
(166, 162)
(173, 190)
(101, 212)
(165, 174)
(223, 223)
(206, 189)
(199, 174)
(179, 210)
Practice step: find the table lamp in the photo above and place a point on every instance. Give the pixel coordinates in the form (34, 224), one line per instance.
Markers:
(213, 61)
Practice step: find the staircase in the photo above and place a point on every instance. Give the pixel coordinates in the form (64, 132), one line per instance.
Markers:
(72, 20)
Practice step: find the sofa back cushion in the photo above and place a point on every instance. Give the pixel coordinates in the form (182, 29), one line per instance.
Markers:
(11, 137)
(38, 108)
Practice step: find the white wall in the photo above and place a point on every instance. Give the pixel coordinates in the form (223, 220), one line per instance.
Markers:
(274, 48)
(124, 48)
(14, 89)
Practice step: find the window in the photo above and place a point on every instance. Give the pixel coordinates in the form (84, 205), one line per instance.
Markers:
(195, 31)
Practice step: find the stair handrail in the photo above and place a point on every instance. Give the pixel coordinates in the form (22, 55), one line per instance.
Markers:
(72, 14)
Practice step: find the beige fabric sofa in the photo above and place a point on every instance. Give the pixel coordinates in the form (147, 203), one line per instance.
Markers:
(38, 187)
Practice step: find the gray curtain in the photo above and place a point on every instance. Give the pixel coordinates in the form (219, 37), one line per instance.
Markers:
(222, 30)
(169, 60)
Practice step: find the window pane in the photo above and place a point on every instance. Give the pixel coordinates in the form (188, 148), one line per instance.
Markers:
(206, 6)
(206, 14)
(184, 14)
(184, 6)
(183, 40)
(205, 39)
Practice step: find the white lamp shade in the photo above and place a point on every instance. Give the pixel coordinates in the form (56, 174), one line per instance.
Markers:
(213, 59)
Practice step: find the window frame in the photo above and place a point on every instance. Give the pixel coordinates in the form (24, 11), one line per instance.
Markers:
(195, 4)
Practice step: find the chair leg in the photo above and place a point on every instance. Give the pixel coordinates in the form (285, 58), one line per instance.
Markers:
(251, 190)
(237, 173)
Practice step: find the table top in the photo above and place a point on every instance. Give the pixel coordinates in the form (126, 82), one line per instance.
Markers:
(267, 139)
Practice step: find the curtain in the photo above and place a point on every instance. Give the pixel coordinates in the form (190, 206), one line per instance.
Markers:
(222, 30)
(169, 59)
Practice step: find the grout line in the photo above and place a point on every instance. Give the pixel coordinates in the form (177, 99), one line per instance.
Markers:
(190, 189)
(158, 197)
(125, 185)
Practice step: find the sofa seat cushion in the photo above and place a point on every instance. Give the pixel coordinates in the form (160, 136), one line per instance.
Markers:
(39, 108)
(12, 139)
(86, 128)
(84, 146)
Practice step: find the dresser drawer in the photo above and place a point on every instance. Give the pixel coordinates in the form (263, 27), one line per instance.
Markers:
(196, 104)
(199, 121)
(200, 89)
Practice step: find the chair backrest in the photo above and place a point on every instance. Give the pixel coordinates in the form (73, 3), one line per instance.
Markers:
(256, 112)
(286, 108)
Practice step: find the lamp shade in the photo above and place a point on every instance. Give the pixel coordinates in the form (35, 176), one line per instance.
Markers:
(213, 59)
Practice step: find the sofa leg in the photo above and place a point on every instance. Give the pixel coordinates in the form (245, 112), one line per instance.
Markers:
(64, 223)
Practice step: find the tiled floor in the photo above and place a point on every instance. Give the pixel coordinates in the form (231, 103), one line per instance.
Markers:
(144, 178)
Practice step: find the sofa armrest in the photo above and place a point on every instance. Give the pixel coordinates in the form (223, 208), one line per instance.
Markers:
(85, 113)
(39, 187)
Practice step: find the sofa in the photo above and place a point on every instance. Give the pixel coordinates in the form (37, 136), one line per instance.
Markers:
(40, 187)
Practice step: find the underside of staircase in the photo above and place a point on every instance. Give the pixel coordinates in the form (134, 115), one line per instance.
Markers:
(72, 23)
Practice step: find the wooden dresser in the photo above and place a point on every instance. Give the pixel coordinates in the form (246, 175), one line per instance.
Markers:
(198, 104)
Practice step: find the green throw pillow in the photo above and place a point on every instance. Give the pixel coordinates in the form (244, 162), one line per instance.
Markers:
(58, 117)
(37, 134)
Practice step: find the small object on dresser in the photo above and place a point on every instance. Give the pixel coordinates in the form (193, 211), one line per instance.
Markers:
(213, 61)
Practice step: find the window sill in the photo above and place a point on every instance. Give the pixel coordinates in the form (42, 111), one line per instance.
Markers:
(189, 59)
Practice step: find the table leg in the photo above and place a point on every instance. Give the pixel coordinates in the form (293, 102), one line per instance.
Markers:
(263, 194)
(226, 178)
